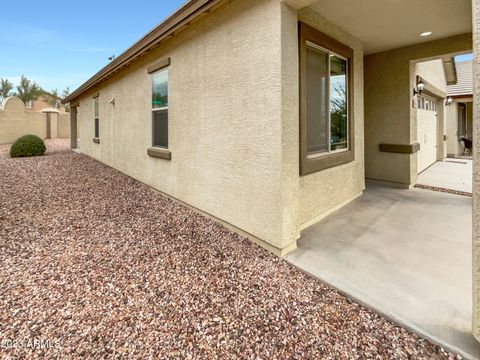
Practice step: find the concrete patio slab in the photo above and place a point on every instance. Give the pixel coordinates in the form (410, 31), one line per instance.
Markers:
(405, 253)
(453, 174)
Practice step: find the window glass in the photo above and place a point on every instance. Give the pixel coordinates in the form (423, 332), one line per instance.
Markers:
(327, 115)
(160, 90)
(96, 106)
(160, 129)
(338, 103)
(97, 128)
(160, 109)
(317, 100)
(96, 110)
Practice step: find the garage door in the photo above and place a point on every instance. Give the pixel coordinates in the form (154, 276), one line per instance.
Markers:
(426, 132)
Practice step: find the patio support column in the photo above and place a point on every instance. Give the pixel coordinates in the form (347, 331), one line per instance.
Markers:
(73, 127)
(476, 170)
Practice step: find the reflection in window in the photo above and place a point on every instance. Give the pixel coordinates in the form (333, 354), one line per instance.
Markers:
(317, 98)
(338, 104)
(327, 101)
(160, 109)
(160, 90)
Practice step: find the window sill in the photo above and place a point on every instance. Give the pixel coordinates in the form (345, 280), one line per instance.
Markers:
(310, 165)
(160, 153)
(96, 140)
(400, 149)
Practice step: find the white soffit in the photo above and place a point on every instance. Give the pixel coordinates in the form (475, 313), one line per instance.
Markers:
(389, 24)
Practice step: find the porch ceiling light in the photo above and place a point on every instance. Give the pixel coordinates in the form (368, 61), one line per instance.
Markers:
(449, 101)
(419, 89)
(426, 33)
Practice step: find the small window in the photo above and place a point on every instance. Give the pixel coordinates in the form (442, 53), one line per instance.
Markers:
(96, 117)
(421, 102)
(326, 121)
(160, 109)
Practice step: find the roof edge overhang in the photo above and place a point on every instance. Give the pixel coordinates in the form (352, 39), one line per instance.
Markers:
(178, 20)
(450, 69)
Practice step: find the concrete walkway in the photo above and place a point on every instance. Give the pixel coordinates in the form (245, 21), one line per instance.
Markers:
(405, 253)
(453, 174)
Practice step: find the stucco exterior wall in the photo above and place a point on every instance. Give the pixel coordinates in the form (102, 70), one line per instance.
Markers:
(469, 119)
(16, 121)
(389, 115)
(325, 190)
(224, 119)
(63, 125)
(233, 122)
(434, 72)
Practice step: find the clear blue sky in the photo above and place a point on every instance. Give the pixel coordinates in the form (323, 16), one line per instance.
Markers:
(466, 57)
(59, 45)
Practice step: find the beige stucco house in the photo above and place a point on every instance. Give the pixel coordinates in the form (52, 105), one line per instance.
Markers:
(269, 114)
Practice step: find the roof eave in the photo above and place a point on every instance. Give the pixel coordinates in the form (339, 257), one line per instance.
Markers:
(182, 17)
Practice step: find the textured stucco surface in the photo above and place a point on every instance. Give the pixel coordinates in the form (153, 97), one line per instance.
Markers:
(64, 125)
(224, 119)
(434, 72)
(453, 146)
(324, 190)
(234, 136)
(16, 121)
(476, 172)
(389, 116)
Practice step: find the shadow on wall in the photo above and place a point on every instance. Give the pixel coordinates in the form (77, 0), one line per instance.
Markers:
(16, 121)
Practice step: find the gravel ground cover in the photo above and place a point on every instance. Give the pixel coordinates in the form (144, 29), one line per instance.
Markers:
(97, 265)
(439, 189)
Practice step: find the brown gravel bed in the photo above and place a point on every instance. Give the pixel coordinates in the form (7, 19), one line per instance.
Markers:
(102, 266)
(443, 190)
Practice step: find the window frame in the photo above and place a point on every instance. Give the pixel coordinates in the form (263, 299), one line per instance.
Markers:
(96, 116)
(311, 163)
(163, 109)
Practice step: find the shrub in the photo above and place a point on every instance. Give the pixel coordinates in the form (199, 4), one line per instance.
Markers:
(28, 145)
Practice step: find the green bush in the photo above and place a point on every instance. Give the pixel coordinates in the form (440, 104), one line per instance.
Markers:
(26, 146)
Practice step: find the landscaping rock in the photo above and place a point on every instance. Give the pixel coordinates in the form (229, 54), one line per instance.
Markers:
(102, 266)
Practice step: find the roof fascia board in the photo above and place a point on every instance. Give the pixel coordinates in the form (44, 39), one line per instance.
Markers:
(186, 14)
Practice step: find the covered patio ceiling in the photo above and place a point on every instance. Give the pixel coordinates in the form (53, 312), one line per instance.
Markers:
(388, 24)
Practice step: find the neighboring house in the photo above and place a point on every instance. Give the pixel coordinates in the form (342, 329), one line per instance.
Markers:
(41, 104)
(460, 111)
(270, 114)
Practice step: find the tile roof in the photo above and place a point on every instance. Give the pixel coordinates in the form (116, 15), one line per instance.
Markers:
(464, 85)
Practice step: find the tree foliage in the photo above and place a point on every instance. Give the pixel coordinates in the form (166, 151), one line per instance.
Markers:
(65, 93)
(6, 88)
(339, 120)
(28, 90)
(52, 98)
